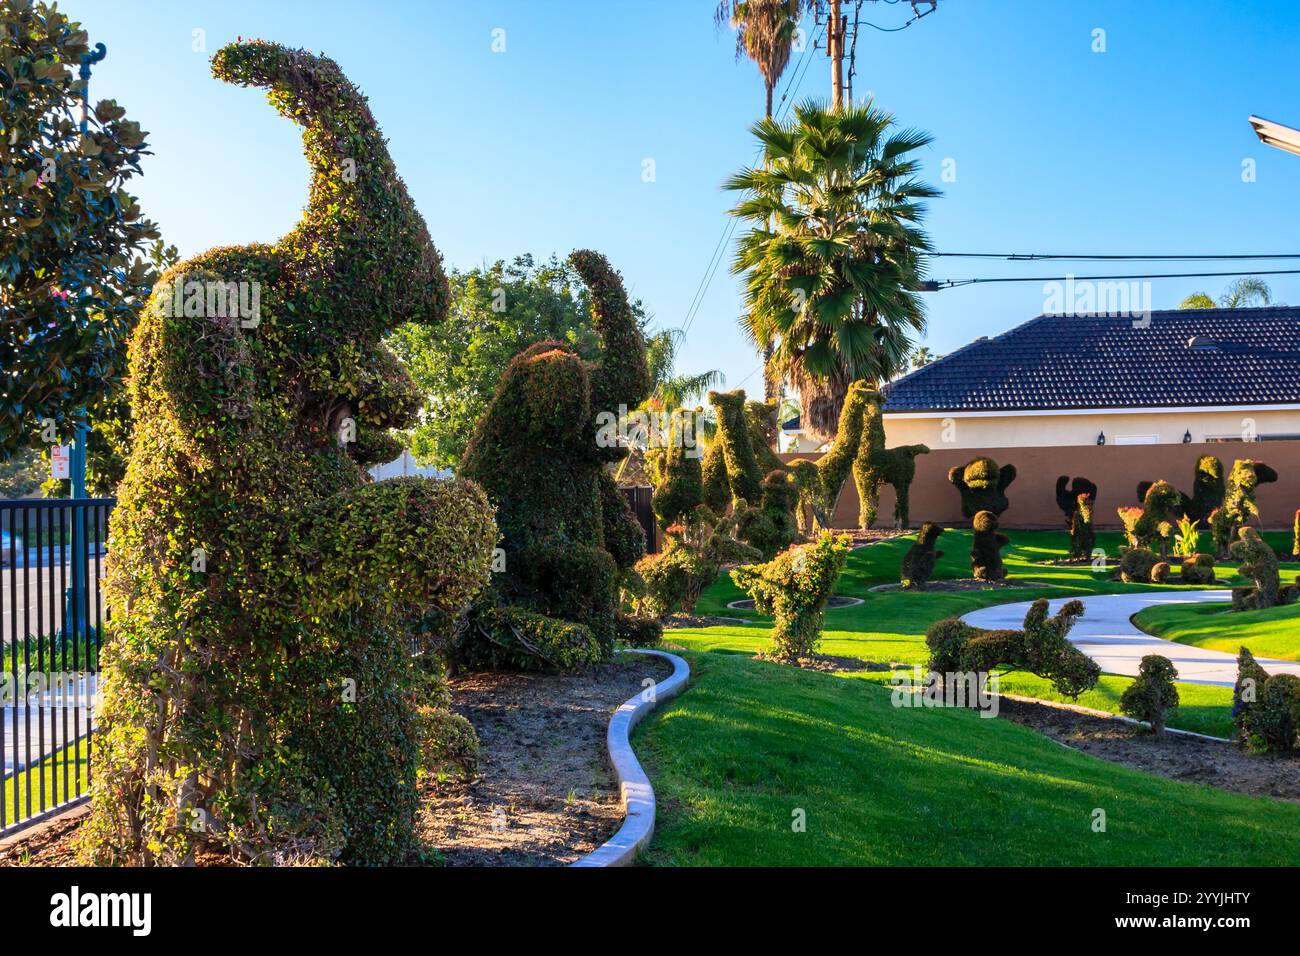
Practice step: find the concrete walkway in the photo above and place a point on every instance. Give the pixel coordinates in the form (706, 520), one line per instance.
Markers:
(1106, 634)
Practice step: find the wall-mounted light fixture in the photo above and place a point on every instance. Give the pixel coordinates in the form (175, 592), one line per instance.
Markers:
(1187, 437)
(1101, 438)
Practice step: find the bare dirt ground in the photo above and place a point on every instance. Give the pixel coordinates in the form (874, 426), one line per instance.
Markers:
(1176, 756)
(544, 793)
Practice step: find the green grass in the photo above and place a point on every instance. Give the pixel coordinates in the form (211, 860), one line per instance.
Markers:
(1271, 633)
(753, 746)
(72, 760)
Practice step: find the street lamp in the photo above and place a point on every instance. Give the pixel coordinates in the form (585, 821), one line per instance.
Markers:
(1275, 134)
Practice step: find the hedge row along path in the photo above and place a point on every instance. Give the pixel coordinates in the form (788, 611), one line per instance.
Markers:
(1107, 634)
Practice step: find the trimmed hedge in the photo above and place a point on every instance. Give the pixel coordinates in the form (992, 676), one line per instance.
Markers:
(1266, 708)
(1198, 569)
(1083, 539)
(1259, 562)
(821, 482)
(259, 696)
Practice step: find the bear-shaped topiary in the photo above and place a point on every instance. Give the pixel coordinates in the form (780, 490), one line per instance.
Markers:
(986, 548)
(921, 557)
(540, 452)
(1161, 506)
(983, 486)
(259, 696)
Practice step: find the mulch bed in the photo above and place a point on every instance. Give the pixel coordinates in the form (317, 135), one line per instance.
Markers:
(831, 664)
(543, 793)
(833, 601)
(1176, 756)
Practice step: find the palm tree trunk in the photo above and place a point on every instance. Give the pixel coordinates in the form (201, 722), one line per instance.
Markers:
(768, 114)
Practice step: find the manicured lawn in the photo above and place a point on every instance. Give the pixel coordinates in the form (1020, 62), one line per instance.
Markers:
(51, 770)
(754, 747)
(1271, 633)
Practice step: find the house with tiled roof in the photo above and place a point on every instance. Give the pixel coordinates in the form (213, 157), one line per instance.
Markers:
(1178, 376)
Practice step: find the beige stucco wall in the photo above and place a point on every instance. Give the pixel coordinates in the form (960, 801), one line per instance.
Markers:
(1036, 431)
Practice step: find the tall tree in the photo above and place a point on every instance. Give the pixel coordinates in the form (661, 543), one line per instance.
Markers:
(71, 237)
(832, 258)
(765, 32)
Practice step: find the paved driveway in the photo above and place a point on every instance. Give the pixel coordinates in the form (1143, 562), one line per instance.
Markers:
(1107, 635)
(37, 726)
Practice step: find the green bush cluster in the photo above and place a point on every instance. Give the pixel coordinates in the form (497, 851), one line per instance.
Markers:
(1160, 572)
(1154, 528)
(986, 548)
(1137, 564)
(1042, 648)
(919, 561)
(259, 695)
(982, 486)
(794, 588)
(513, 639)
(1198, 569)
(1265, 708)
(568, 536)
(1152, 695)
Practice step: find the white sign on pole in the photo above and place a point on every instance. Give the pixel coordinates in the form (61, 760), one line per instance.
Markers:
(60, 462)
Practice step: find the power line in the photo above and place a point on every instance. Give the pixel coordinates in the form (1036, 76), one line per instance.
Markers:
(1117, 257)
(935, 285)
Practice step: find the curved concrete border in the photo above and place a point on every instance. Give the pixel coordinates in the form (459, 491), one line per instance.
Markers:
(634, 786)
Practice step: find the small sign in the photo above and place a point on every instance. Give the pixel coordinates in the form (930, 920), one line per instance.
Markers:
(60, 462)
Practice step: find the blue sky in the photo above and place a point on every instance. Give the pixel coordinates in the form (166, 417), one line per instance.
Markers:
(1056, 148)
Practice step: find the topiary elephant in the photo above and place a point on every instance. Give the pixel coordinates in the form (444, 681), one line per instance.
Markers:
(259, 694)
(541, 452)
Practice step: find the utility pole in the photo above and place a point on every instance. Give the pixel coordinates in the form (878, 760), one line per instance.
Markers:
(835, 28)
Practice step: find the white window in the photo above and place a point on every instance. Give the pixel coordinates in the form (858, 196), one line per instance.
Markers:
(1137, 440)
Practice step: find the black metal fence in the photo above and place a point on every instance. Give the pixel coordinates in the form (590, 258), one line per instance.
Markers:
(52, 613)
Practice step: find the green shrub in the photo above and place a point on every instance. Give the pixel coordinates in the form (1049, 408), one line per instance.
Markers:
(681, 485)
(1272, 723)
(919, 561)
(1136, 565)
(744, 477)
(512, 639)
(986, 548)
(1160, 573)
(1155, 524)
(1208, 490)
(446, 739)
(1247, 690)
(1152, 694)
(638, 631)
(540, 451)
(1083, 539)
(876, 465)
(695, 552)
(1295, 538)
(982, 486)
(770, 528)
(1259, 562)
(947, 640)
(1239, 507)
(794, 588)
(1198, 569)
(259, 693)
(820, 483)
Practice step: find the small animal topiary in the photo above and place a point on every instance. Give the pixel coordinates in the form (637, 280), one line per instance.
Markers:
(919, 561)
(1247, 689)
(1208, 489)
(568, 536)
(1136, 565)
(982, 485)
(794, 588)
(876, 465)
(1083, 539)
(1259, 562)
(1160, 572)
(1042, 647)
(1068, 495)
(259, 696)
(1198, 569)
(986, 548)
(1153, 694)
(1271, 722)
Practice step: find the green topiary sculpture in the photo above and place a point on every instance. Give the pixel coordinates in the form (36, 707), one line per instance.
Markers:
(540, 451)
(1082, 536)
(1161, 506)
(921, 557)
(770, 528)
(1198, 569)
(1067, 496)
(1136, 565)
(259, 696)
(794, 588)
(1258, 562)
(681, 484)
(876, 465)
(1295, 538)
(1239, 507)
(820, 483)
(1153, 693)
(744, 477)
(982, 485)
(986, 548)
(1207, 490)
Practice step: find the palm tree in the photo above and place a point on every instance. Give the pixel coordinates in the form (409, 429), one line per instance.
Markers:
(832, 259)
(923, 357)
(669, 390)
(765, 31)
(1244, 292)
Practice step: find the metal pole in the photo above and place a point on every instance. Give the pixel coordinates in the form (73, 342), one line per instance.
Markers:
(74, 600)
